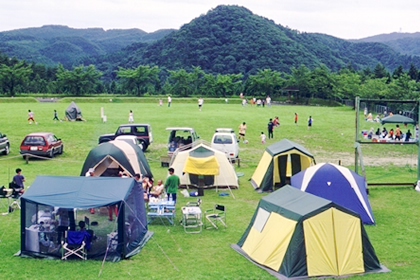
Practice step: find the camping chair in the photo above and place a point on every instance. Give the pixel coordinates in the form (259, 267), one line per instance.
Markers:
(13, 194)
(216, 215)
(77, 242)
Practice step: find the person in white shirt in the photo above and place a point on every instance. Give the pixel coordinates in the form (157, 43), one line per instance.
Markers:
(200, 103)
(130, 117)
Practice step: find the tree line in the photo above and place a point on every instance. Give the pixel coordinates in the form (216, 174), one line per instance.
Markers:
(19, 76)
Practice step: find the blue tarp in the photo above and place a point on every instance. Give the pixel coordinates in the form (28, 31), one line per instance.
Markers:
(78, 192)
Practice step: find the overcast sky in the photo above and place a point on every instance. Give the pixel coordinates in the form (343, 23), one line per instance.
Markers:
(347, 19)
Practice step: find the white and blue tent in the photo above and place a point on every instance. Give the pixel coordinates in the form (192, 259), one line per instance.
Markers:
(338, 184)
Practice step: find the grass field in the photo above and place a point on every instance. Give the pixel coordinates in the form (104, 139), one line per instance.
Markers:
(173, 254)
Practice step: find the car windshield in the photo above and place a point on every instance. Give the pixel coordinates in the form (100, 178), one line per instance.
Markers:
(34, 140)
(223, 139)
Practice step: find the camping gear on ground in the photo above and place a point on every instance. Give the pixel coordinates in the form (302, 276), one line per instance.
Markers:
(204, 167)
(76, 244)
(297, 234)
(54, 204)
(107, 159)
(338, 184)
(278, 163)
(73, 112)
(216, 215)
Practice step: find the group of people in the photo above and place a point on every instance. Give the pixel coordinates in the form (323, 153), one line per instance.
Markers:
(161, 190)
(392, 134)
(260, 102)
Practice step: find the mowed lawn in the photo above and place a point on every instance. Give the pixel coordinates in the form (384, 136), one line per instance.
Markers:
(174, 254)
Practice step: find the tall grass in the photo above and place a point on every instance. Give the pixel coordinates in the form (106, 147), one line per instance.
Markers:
(174, 254)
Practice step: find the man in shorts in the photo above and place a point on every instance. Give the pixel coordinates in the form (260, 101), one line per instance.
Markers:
(242, 129)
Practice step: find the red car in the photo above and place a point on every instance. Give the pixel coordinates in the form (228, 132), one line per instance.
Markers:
(41, 144)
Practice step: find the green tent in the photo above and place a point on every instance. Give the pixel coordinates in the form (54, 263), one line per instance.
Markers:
(297, 234)
(397, 119)
(55, 204)
(279, 162)
(108, 158)
(73, 112)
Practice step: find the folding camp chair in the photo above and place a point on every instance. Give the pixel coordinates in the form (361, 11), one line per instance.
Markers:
(77, 243)
(216, 215)
(13, 199)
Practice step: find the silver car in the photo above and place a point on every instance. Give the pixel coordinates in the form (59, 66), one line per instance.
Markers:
(4, 144)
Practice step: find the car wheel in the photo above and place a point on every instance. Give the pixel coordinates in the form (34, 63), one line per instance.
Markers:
(6, 150)
(60, 150)
(51, 154)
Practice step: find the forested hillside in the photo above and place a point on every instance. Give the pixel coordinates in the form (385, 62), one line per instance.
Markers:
(53, 44)
(225, 52)
(405, 43)
(231, 39)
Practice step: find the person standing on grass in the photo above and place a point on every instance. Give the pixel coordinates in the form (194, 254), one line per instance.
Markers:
(171, 185)
(130, 117)
(200, 103)
(268, 101)
(310, 120)
(270, 127)
(262, 136)
(296, 119)
(169, 100)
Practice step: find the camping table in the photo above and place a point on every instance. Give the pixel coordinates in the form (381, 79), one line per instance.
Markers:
(192, 219)
(161, 209)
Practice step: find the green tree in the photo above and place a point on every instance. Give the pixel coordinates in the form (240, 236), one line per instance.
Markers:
(375, 89)
(227, 85)
(141, 79)
(299, 80)
(13, 76)
(80, 80)
(347, 84)
(380, 72)
(180, 82)
(265, 82)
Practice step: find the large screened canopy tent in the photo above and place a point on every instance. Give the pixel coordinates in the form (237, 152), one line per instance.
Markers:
(279, 162)
(54, 205)
(108, 158)
(297, 235)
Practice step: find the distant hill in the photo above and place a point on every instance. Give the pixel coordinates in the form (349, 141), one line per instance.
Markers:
(225, 40)
(404, 43)
(231, 39)
(52, 44)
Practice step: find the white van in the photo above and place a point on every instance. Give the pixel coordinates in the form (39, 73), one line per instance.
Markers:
(224, 140)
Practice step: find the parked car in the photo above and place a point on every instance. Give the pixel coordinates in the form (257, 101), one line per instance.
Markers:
(41, 144)
(181, 137)
(142, 131)
(4, 144)
(224, 140)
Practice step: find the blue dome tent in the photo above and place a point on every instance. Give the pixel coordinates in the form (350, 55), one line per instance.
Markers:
(338, 184)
